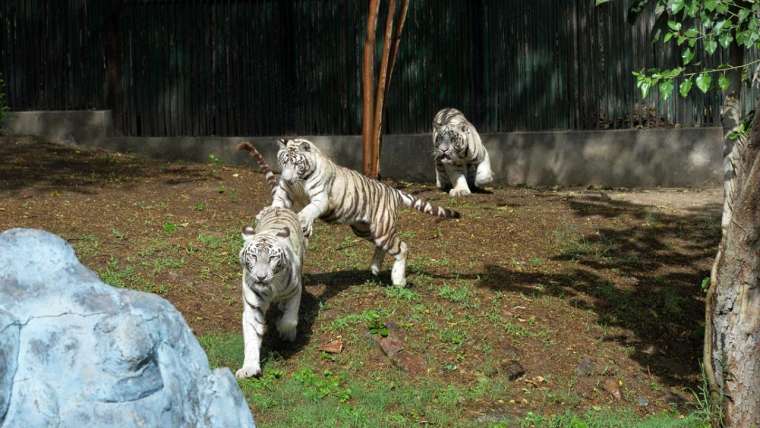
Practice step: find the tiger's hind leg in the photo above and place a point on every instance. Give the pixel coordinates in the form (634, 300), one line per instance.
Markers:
(362, 230)
(393, 245)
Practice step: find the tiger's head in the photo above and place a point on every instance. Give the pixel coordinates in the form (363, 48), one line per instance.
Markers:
(297, 158)
(450, 143)
(262, 257)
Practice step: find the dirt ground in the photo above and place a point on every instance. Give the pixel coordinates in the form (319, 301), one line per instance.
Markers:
(588, 291)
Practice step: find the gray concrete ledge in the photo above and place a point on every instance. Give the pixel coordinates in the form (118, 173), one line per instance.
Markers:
(80, 126)
(688, 157)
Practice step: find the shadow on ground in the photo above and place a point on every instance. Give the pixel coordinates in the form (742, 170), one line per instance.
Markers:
(637, 278)
(29, 162)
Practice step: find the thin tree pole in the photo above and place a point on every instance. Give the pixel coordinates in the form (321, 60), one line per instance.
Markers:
(395, 41)
(368, 64)
(380, 93)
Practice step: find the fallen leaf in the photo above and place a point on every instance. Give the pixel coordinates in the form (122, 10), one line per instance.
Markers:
(333, 347)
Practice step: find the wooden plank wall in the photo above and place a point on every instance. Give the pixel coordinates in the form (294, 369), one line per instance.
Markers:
(274, 67)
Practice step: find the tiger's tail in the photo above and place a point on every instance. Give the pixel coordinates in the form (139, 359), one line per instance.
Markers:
(265, 168)
(426, 207)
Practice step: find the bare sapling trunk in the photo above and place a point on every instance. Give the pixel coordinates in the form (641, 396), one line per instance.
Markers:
(393, 40)
(373, 107)
(368, 65)
(380, 90)
(732, 327)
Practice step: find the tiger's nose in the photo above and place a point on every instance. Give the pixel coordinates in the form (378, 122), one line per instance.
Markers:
(261, 278)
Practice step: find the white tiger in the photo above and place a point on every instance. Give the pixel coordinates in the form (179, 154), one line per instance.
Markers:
(460, 157)
(340, 195)
(272, 262)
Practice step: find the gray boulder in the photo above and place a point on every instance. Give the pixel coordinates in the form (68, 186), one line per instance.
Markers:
(75, 352)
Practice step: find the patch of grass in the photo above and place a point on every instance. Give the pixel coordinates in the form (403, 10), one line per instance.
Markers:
(401, 294)
(605, 418)
(87, 246)
(454, 294)
(199, 207)
(370, 317)
(169, 228)
(115, 275)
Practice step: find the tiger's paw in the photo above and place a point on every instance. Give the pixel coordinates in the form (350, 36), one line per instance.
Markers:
(459, 192)
(248, 371)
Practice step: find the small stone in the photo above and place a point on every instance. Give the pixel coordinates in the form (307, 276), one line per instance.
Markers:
(642, 402)
(611, 385)
(514, 370)
(585, 367)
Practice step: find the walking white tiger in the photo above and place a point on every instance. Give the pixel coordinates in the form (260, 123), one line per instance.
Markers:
(272, 262)
(461, 160)
(340, 195)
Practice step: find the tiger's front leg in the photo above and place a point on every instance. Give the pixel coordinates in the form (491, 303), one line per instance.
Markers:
(441, 177)
(311, 212)
(253, 332)
(459, 178)
(287, 325)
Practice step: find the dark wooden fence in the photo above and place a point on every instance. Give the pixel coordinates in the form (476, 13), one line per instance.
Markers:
(272, 67)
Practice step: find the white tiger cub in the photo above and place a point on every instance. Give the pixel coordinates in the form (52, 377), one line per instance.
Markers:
(272, 262)
(340, 195)
(461, 159)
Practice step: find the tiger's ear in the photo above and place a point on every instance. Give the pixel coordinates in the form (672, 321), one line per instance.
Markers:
(305, 146)
(464, 128)
(247, 233)
(284, 233)
(282, 142)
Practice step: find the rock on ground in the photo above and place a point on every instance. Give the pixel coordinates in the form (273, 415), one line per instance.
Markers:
(75, 352)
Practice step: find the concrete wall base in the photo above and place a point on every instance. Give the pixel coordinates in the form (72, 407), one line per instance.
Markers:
(690, 157)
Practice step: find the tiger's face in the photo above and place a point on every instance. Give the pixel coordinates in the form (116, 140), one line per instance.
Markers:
(261, 258)
(296, 158)
(450, 144)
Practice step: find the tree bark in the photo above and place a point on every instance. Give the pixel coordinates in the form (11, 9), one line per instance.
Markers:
(377, 123)
(395, 42)
(732, 306)
(368, 64)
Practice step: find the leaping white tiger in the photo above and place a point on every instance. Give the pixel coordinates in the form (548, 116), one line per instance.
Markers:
(461, 160)
(336, 194)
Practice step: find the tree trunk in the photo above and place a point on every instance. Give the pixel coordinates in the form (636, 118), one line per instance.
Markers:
(368, 64)
(732, 327)
(734, 304)
(377, 124)
(394, 44)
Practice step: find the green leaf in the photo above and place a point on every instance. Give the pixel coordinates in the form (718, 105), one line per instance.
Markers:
(711, 5)
(703, 82)
(743, 14)
(685, 87)
(687, 56)
(645, 86)
(674, 25)
(723, 82)
(666, 88)
(675, 5)
(691, 32)
(725, 39)
(599, 2)
(667, 37)
(710, 46)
